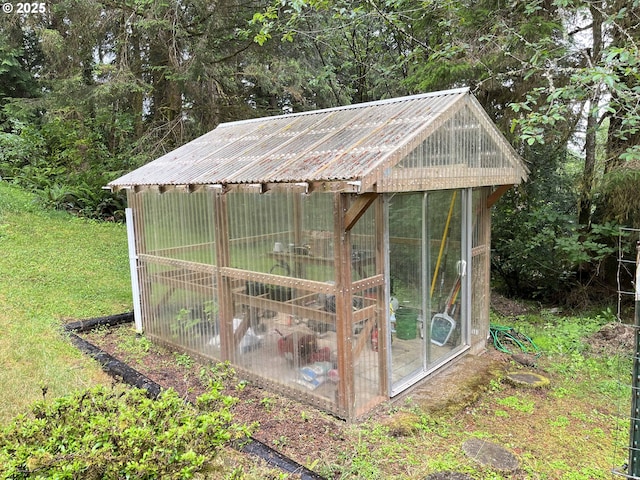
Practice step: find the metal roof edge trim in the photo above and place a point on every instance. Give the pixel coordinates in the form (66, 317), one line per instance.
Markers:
(441, 93)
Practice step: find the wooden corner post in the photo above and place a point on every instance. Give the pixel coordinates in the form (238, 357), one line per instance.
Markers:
(344, 301)
(223, 285)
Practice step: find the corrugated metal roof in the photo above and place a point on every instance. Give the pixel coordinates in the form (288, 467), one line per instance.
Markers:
(350, 143)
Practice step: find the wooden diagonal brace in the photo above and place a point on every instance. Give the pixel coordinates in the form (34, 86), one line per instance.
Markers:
(496, 194)
(359, 207)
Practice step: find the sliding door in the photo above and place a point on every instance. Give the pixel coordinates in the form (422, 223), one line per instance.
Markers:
(428, 255)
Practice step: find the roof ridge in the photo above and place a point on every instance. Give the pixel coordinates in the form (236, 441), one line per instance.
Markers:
(442, 93)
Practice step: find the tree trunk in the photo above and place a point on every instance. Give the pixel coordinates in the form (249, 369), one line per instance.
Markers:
(590, 144)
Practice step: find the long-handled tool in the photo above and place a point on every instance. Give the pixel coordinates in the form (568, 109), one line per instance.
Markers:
(445, 233)
(442, 324)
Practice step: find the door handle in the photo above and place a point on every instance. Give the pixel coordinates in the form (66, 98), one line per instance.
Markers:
(461, 267)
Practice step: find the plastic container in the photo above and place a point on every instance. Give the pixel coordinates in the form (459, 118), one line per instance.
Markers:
(406, 323)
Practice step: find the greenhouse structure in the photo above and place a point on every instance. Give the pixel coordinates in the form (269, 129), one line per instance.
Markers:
(336, 256)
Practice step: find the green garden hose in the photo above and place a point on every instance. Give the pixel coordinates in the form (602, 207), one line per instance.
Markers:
(502, 334)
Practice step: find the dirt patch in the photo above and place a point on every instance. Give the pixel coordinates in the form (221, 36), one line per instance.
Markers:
(298, 430)
(507, 307)
(612, 339)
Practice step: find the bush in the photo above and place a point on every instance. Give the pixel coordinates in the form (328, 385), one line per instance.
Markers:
(118, 433)
(539, 249)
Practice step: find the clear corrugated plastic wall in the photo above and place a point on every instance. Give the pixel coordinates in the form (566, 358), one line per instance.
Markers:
(277, 259)
(175, 242)
(462, 152)
(481, 264)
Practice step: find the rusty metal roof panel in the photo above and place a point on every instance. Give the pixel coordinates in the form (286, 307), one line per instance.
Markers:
(340, 144)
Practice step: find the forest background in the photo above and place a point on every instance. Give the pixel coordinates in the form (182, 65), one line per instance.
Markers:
(92, 89)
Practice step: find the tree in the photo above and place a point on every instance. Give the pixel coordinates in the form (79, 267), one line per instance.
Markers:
(602, 87)
(119, 82)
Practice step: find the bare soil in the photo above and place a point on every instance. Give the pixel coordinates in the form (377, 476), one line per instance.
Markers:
(297, 430)
(306, 434)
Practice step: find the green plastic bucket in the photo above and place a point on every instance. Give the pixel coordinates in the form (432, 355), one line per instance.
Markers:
(406, 323)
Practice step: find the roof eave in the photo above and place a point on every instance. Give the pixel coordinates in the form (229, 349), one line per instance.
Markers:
(336, 186)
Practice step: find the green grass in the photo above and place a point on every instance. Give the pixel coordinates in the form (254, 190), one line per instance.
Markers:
(53, 268)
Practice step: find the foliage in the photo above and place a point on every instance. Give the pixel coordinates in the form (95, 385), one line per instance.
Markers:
(592, 83)
(539, 250)
(64, 163)
(115, 433)
(113, 85)
(53, 267)
(549, 262)
(619, 201)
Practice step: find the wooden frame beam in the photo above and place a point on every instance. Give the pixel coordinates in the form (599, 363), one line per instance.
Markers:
(344, 311)
(223, 259)
(496, 194)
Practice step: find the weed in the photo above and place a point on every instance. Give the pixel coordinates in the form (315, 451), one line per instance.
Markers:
(430, 425)
(585, 472)
(517, 403)
(443, 462)
(567, 334)
(560, 421)
(361, 462)
(560, 392)
(613, 388)
(281, 441)
(135, 346)
(495, 385)
(217, 372)
(580, 416)
(267, 403)
(184, 360)
(101, 331)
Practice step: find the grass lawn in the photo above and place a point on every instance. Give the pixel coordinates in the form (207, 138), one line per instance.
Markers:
(53, 268)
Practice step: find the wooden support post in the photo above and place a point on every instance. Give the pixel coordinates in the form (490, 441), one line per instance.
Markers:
(485, 288)
(223, 255)
(383, 308)
(344, 311)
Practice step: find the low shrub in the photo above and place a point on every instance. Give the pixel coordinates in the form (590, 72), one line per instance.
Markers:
(111, 433)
